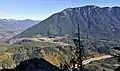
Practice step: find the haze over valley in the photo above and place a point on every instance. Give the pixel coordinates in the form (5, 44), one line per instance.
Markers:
(11, 27)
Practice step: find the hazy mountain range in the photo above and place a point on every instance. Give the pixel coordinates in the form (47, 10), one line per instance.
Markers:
(11, 27)
(95, 22)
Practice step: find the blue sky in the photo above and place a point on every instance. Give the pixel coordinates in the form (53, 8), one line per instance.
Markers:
(41, 9)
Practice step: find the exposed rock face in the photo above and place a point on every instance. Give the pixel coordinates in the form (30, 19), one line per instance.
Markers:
(95, 23)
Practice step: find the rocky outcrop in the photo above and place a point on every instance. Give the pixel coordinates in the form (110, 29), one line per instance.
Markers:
(34, 64)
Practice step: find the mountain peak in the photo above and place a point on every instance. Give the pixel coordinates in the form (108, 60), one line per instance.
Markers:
(95, 22)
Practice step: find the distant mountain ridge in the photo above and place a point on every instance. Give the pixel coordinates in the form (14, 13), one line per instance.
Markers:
(11, 27)
(95, 23)
(18, 24)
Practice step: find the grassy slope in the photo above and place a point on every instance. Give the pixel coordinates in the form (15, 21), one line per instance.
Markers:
(26, 49)
(50, 53)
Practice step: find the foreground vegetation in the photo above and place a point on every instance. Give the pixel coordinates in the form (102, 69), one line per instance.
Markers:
(12, 54)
